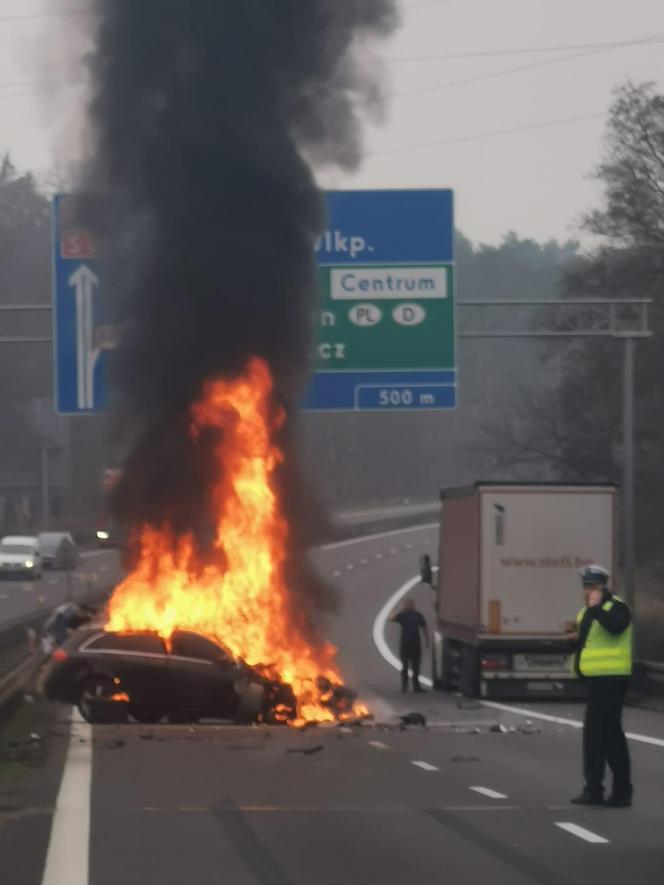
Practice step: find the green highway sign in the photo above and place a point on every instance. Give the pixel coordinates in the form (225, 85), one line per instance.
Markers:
(386, 328)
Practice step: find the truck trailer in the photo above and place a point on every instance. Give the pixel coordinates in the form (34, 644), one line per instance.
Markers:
(508, 587)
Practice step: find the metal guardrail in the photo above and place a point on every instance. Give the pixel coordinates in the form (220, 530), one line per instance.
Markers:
(15, 682)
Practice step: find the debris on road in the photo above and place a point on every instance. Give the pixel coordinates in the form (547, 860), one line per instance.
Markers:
(499, 728)
(413, 719)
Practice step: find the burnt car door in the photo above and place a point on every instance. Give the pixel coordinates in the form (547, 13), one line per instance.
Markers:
(204, 676)
(139, 664)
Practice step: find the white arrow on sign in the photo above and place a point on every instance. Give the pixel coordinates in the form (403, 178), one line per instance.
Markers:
(84, 282)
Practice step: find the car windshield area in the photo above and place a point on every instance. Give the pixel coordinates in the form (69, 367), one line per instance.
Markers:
(17, 549)
(52, 542)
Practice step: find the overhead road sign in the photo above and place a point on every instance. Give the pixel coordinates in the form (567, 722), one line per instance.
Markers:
(386, 329)
(386, 323)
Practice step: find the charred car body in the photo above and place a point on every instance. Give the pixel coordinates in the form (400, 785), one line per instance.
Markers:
(110, 676)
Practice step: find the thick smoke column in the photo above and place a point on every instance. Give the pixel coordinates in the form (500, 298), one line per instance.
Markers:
(203, 112)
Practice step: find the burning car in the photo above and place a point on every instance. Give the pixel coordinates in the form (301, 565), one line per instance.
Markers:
(112, 675)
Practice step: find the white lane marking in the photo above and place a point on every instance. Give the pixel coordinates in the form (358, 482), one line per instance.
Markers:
(364, 561)
(27, 588)
(426, 766)
(103, 568)
(573, 723)
(379, 745)
(4, 596)
(336, 573)
(379, 628)
(379, 556)
(582, 833)
(67, 860)
(52, 581)
(347, 543)
(89, 554)
(350, 567)
(485, 791)
(533, 714)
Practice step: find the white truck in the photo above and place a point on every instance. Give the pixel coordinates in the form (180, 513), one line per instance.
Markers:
(508, 583)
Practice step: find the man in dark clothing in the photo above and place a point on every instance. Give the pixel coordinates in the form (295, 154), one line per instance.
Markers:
(66, 617)
(604, 660)
(410, 646)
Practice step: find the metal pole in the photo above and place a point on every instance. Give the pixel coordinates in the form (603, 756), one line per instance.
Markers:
(628, 473)
(44, 486)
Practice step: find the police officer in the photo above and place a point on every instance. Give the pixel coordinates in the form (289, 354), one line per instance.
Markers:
(604, 660)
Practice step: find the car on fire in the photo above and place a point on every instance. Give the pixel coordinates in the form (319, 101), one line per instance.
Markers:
(111, 676)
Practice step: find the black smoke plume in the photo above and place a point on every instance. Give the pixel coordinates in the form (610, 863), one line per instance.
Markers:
(205, 113)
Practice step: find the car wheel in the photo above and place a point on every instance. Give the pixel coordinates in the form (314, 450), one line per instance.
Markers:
(251, 704)
(94, 688)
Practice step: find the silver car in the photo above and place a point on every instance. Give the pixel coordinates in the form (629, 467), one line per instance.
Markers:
(20, 557)
(58, 550)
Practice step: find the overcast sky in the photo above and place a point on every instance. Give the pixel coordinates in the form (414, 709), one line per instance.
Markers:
(481, 124)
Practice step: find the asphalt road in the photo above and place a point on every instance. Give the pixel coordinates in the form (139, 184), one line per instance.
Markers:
(20, 599)
(455, 802)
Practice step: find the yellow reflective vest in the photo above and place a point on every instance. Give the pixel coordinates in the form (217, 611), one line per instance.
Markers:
(604, 653)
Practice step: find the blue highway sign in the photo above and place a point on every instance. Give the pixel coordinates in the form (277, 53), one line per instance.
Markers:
(80, 335)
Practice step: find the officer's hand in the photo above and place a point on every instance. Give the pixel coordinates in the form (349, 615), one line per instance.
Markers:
(594, 597)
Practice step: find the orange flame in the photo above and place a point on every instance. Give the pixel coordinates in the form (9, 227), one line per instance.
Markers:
(240, 597)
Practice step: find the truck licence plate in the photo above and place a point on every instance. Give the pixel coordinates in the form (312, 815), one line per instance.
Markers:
(556, 662)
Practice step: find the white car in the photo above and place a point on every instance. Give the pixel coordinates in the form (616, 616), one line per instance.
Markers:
(20, 557)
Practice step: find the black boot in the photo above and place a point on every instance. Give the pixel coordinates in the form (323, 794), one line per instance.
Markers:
(588, 797)
(619, 800)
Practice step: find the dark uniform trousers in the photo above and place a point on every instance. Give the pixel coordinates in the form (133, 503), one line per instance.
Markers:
(603, 737)
(411, 657)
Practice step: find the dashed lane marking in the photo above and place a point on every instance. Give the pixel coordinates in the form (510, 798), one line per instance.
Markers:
(364, 561)
(350, 567)
(379, 555)
(336, 573)
(582, 833)
(425, 766)
(379, 745)
(4, 596)
(491, 794)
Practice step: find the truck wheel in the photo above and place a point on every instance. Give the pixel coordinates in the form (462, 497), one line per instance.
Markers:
(470, 675)
(447, 680)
